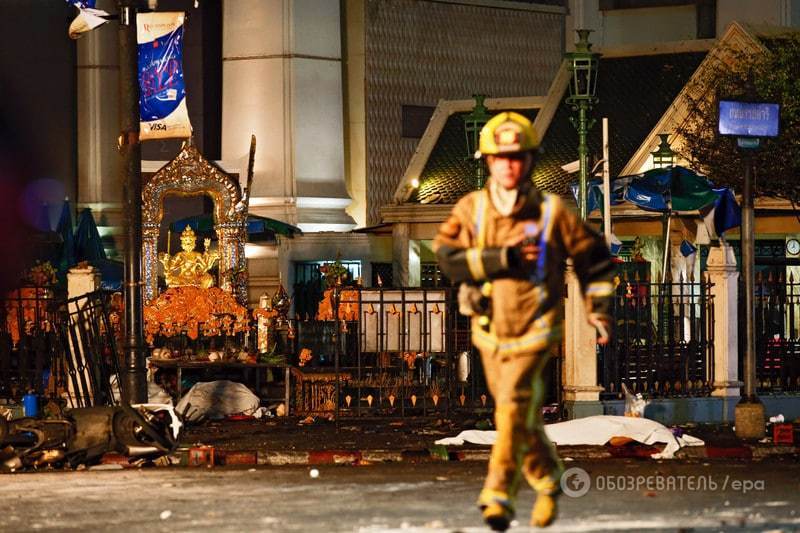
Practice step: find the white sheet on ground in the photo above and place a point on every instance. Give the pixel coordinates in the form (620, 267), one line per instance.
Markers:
(594, 430)
(217, 399)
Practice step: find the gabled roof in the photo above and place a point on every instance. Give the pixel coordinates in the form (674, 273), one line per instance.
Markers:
(642, 91)
(633, 92)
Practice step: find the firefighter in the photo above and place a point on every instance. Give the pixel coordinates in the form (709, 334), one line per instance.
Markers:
(506, 245)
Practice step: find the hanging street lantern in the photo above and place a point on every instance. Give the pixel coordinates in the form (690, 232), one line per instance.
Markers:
(473, 124)
(583, 66)
(664, 155)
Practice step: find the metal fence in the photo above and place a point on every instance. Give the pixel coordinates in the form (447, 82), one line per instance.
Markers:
(663, 343)
(91, 360)
(400, 352)
(58, 348)
(777, 332)
(28, 341)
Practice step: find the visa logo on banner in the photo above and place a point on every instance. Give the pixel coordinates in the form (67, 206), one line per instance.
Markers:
(162, 89)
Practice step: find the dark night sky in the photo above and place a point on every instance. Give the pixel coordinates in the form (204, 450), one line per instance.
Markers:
(37, 90)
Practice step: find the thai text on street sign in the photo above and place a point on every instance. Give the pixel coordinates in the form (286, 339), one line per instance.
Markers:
(748, 119)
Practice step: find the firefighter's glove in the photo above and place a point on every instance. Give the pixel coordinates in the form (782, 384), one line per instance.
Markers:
(471, 302)
(602, 324)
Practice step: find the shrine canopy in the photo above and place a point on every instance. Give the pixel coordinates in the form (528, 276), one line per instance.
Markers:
(258, 228)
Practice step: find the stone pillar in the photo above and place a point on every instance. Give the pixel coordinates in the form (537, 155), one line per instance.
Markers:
(400, 253)
(723, 275)
(282, 81)
(579, 377)
(82, 280)
(99, 185)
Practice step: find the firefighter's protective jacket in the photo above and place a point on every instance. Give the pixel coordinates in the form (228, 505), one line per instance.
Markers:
(525, 302)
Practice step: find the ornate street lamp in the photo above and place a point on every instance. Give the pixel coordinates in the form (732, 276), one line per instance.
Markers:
(473, 124)
(583, 65)
(664, 155)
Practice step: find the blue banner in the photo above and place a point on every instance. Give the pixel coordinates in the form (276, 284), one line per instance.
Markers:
(162, 98)
(82, 4)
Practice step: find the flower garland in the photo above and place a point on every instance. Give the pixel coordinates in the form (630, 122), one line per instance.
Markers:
(191, 309)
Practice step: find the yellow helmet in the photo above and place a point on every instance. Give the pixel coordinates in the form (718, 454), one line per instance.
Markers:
(507, 133)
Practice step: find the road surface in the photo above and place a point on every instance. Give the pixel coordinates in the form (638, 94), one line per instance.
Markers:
(622, 495)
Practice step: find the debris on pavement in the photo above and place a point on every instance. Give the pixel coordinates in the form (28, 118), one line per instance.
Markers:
(82, 436)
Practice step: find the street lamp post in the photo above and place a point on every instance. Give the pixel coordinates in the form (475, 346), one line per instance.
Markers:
(135, 380)
(663, 155)
(583, 65)
(473, 124)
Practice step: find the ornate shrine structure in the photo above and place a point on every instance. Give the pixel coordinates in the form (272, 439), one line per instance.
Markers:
(190, 174)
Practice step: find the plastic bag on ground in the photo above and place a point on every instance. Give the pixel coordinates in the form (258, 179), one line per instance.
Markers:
(217, 399)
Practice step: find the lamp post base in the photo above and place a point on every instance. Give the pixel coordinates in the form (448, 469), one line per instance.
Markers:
(749, 419)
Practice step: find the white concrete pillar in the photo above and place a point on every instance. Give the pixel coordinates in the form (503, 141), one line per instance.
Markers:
(579, 377)
(400, 253)
(723, 275)
(82, 280)
(99, 181)
(282, 81)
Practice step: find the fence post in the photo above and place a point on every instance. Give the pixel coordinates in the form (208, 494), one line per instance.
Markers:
(82, 280)
(725, 291)
(581, 391)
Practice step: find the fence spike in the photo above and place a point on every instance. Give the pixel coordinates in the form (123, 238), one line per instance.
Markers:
(791, 277)
(780, 277)
(769, 278)
(647, 276)
(625, 276)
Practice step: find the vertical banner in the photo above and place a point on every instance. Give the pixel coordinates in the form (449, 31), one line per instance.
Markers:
(162, 91)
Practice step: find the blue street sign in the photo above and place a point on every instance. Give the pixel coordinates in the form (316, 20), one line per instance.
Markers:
(748, 119)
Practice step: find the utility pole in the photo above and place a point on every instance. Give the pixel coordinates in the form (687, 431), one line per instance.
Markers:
(749, 413)
(135, 380)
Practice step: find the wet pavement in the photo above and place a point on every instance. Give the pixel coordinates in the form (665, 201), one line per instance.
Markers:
(620, 495)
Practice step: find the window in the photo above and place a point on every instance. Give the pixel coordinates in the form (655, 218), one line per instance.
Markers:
(431, 276)
(306, 271)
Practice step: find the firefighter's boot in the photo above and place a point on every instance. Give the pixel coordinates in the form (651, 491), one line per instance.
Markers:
(545, 509)
(497, 509)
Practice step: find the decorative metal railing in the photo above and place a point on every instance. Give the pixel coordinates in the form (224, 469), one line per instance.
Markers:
(88, 332)
(28, 341)
(401, 352)
(663, 342)
(777, 332)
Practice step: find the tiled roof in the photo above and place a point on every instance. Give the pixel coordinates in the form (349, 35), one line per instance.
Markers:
(634, 92)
